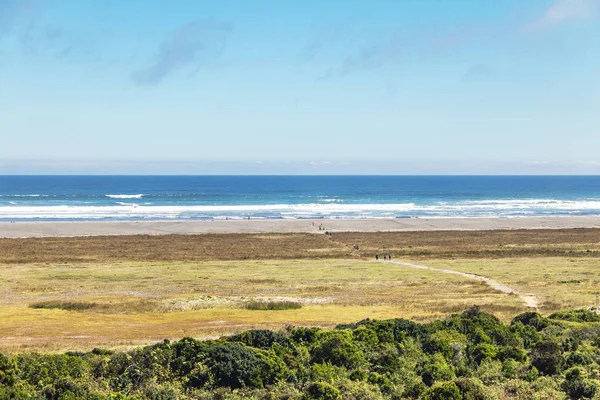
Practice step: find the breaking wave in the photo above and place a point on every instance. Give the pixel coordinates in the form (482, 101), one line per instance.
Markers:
(470, 208)
(125, 196)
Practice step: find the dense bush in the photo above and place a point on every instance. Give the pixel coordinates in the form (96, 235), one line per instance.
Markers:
(576, 316)
(322, 391)
(471, 356)
(260, 338)
(443, 391)
(234, 365)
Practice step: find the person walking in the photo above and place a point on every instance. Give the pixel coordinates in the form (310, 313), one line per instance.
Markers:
(377, 256)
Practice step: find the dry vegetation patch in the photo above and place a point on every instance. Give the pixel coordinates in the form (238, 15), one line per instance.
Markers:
(206, 247)
(138, 302)
(58, 293)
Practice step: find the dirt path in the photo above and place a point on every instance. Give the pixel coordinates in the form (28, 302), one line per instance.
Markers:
(530, 301)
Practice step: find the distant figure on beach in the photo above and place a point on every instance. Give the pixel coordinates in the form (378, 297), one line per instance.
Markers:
(389, 257)
(384, 257)
(377, 256)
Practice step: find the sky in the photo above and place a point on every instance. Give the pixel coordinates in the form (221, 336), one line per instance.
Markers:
(300, 87)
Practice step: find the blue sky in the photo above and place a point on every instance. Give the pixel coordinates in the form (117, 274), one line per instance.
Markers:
(330, 86)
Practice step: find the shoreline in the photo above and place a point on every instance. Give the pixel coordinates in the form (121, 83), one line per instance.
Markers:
(124, 228)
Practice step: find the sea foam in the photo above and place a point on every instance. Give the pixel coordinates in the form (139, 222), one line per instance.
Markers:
(125, 196)
(471, 208)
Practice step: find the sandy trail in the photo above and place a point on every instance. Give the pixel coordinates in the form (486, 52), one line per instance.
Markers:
(530, 301)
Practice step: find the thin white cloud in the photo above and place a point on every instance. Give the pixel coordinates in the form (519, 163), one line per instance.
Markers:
(562, 11)
(193, 44)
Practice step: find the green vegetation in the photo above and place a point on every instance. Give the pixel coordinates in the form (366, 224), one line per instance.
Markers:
(63, 305)
(273, 305)
(472, 355)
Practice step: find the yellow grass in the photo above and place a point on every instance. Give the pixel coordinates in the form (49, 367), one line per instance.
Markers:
(140, 302)
(557, 282)
(138, 289)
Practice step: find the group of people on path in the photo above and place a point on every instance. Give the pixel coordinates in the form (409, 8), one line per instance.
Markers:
(321, 227)
(386, 257)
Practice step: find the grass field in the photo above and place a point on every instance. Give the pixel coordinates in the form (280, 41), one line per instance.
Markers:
(86, 305)
(79, 293)
(556, 282)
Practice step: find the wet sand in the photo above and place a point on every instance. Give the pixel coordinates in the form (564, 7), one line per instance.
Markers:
(97, 228)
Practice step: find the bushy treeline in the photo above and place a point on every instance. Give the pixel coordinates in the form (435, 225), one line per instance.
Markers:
(468, 356)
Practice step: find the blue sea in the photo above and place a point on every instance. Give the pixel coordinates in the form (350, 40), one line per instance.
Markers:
(52, 198)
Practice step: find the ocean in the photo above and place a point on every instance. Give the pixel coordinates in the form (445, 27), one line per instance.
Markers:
(68, 198)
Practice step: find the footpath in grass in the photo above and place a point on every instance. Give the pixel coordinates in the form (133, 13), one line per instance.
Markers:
(83, 305)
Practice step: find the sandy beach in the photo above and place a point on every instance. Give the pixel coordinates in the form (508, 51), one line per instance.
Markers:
(97, 228)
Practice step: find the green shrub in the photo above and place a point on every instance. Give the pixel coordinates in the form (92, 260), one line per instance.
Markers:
(576, 316)
(366, 337)
(438, 344)
(533, 319)
(305, 335)
(489, 371)
(234, 365)
(509, 369)
(547, 357)
(577, 385)
(43, 369)
(260, 338)
(322, 391)
(155, 392)
(273, 369)
(443, 391)
(511, 353)
(436, 370)
(578, 358)
(8, 370)
(368, 360)
(517, 389)
(482, 351)
(527, 335)
(471, 388)
(64, 388)
(338, 349)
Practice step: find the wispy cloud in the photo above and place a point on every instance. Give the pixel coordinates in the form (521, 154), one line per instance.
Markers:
(192, 45)
(372, 53)
(31, 24)
(56, 41)
(14, 11)
(562, 11)
(368, 57)
(324, 36)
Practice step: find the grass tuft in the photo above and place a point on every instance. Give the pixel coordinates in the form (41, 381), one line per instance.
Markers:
(64, 305)
(273, 305)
